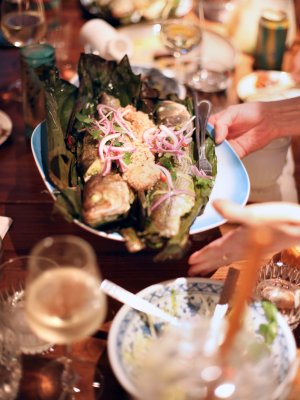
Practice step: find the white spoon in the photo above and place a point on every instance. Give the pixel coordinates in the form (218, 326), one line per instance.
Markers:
(136, 302)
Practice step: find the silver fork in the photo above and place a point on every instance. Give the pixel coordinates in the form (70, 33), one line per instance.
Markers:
(202, 111)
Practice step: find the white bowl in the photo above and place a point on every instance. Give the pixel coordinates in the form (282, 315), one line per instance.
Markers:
(187, 297)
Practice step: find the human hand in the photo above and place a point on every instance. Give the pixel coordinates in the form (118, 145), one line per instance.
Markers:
(249, 126)
(296, 67)
(282, 218)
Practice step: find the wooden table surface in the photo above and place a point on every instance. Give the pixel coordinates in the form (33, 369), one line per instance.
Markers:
(24, 198)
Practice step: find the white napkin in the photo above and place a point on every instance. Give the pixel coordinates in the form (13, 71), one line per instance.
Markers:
(5, 223)
(99, 37)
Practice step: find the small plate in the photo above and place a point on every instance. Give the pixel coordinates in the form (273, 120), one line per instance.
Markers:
(5, 127)
(267, 86)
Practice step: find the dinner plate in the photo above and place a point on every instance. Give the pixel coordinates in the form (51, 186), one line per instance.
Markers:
(232, 182)
(5, 127)
(267, 86)
(147, 46)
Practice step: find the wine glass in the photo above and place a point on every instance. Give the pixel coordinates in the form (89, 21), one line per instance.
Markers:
(65, 304)
(181, 36)
(22, 23)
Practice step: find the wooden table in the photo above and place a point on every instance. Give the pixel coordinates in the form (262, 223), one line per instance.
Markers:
(24, 198)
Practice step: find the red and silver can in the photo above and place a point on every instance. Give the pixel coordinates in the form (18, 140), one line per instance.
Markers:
(271, 39)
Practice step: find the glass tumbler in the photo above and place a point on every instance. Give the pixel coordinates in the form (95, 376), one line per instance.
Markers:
(10, 363)
(13, 274)
(32, 57)
(188, 371)
(279, 283)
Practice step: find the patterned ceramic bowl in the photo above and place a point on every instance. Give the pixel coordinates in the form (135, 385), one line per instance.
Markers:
(188, 297)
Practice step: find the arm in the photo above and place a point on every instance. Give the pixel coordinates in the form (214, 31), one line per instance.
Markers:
(251, 126)
(283, 218)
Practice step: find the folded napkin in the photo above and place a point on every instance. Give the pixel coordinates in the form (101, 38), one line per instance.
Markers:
(99, 37)
(5, 223)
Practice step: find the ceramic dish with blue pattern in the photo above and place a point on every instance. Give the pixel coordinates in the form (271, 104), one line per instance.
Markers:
(187, 297)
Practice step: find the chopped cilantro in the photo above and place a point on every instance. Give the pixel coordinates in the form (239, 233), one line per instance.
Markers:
(127, 158)
(83, 118)
(269, 330)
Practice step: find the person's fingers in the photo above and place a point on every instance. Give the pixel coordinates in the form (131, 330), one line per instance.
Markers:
(220, 125)
(221, 131)
(253, 214)
(225, 250)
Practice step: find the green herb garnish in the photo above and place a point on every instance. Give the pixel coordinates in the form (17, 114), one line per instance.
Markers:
(269, 330)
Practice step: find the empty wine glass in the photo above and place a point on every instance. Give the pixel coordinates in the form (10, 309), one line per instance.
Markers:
(180, 36)
(65, 304)
(22, 23)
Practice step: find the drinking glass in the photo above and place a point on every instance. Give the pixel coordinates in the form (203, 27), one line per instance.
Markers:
(10, 362)
(22, 23)
(65, 304)
(180, 36)
(279, 283)
(187, 371)
(13, 275)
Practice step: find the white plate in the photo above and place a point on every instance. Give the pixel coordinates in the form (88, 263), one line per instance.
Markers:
(232, 182)
(281, 85)
(6, 126)
(146, 43)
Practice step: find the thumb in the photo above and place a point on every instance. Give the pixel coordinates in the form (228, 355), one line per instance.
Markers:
(253, 214)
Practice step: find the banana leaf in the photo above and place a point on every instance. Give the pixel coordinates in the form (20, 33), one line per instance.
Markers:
(64, 102)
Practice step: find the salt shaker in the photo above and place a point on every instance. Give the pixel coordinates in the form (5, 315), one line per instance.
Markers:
(32, 57)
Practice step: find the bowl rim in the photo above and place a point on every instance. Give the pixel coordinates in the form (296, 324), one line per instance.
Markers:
(113, 332)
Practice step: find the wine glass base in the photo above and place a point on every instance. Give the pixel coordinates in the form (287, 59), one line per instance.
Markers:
(12, 92)
(65, 379)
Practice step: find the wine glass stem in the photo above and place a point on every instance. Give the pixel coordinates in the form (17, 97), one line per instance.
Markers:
(69, 376)
(179, 75)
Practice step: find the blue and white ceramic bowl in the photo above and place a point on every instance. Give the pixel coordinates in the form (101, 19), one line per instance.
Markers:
(186, 297)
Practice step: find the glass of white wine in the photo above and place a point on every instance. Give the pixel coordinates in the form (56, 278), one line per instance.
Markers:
(65, 304)
(180, 36)
(22, 23)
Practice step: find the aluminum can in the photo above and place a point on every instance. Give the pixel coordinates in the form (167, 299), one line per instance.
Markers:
(272, 32)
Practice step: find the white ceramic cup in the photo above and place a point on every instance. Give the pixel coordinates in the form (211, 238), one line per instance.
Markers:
(99, 37)
(265, 166)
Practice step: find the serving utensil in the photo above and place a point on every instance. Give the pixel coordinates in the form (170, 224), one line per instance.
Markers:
(221, 309)
(134, 301)
(202, 112)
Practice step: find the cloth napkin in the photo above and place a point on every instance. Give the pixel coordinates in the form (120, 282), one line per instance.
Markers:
(99, 37)
(5, 223)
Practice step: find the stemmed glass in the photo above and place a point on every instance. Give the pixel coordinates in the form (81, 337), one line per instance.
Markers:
(65, 304)
(180, 36)
(22, 23)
